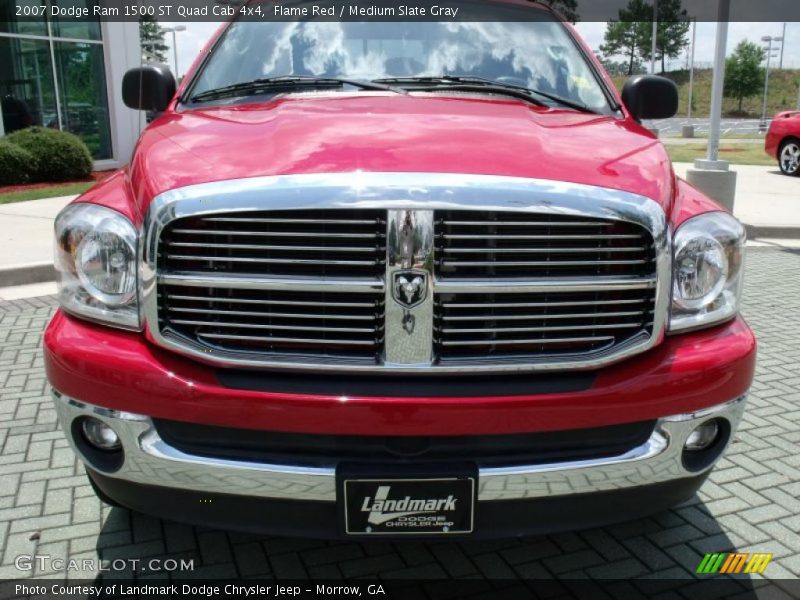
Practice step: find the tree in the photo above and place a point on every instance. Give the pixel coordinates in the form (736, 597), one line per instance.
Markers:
(672, 35)
(743, 73)
(151, 39)
(567, 8)
(626, 36)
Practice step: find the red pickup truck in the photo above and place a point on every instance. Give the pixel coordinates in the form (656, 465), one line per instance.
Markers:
(398, 279)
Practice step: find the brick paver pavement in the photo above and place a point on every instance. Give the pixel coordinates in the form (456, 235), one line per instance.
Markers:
(750, 503)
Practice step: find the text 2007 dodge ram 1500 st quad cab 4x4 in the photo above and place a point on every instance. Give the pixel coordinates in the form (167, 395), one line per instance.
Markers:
(368, 279)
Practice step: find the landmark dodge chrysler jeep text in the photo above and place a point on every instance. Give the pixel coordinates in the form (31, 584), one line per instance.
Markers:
(396, 278)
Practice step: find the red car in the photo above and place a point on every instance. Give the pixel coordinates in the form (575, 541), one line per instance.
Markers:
(398, 279)
(783, 141)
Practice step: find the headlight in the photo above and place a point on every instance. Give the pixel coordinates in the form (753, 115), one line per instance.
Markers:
(708, 251)
(96, 265)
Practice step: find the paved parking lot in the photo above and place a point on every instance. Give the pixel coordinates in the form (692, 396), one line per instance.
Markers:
(750, 504)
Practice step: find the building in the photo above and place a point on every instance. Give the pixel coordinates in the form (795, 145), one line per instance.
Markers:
(67, 74)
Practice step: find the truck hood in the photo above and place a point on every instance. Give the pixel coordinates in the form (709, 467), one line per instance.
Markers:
(414, 133)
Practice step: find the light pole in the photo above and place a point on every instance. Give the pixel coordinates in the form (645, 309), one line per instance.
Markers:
(712, 176)
(655, 36)
(173, 30)
(783, 37)
(691, 68)
(769, 39)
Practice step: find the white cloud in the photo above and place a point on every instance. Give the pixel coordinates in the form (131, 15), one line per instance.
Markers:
(191, 41)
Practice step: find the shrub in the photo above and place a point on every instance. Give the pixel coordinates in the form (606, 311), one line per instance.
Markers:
(16, 164)
(57, 155)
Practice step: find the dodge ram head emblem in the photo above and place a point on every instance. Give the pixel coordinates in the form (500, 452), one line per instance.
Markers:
(410, 288)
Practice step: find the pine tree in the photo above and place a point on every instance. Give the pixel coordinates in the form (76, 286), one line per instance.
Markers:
(626, 36)
(672, 35)
(567, 8)
(151, 39)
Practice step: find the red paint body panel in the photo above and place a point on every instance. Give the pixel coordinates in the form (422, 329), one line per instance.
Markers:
(121, 370)
(689, 203)
(784, 125)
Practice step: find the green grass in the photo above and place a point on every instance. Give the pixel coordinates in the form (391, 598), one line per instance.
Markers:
(738, 154)
(65, 189)
(783, 84)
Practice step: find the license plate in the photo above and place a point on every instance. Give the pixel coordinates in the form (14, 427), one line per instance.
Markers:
(441, 506)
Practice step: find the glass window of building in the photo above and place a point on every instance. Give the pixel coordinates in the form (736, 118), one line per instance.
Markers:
(52, 74)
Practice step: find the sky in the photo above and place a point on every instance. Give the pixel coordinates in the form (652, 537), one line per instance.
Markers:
(191, 41)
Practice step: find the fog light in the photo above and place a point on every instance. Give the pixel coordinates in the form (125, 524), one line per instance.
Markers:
(100, 435)
(702, 437)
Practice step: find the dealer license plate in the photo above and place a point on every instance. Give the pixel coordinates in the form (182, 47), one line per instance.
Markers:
(442, 506)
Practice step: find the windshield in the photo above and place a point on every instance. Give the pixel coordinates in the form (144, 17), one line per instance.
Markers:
(539, 55)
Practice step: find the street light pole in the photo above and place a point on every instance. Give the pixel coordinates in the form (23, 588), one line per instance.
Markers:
(783, 37)
(654, 45)
(175, 52)
(769, 39)
(174, 30)
(691, 68)
(712, 176)
(718, 82)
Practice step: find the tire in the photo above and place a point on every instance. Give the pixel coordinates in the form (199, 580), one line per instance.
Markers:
(789, 157)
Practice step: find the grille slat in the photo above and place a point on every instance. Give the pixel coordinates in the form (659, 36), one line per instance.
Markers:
(270, 315)
(332, 303)
(543, 316)
(268, 247)
(531, 223)
(272, 326)
(539, 263)
(493, 330)
(276, 261)
(539, 250)
(536, 341)
(272, 339)
(291, 220)
(287, 234)
(541, 237)
(254, 282)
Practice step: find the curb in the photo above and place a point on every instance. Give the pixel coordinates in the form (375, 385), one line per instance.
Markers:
(25, 274)
(755, 232)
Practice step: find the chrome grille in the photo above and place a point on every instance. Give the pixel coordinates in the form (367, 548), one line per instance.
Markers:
(276, 322)
(529, 247)
(405, 272)
(313, 243)
(294, 246)
(479, 326)
(486, 245)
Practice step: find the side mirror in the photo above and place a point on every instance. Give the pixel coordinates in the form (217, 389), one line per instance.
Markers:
(650, 97)
(149, 87)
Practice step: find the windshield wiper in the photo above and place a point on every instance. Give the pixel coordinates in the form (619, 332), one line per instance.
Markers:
(288, 82)
(458, 82)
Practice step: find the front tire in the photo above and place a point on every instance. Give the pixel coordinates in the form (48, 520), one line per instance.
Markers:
(789, 157)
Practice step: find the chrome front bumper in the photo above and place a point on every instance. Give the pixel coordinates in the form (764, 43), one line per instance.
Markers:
(150, 460)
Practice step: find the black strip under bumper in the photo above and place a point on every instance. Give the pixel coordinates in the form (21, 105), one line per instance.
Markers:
(302, 518)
